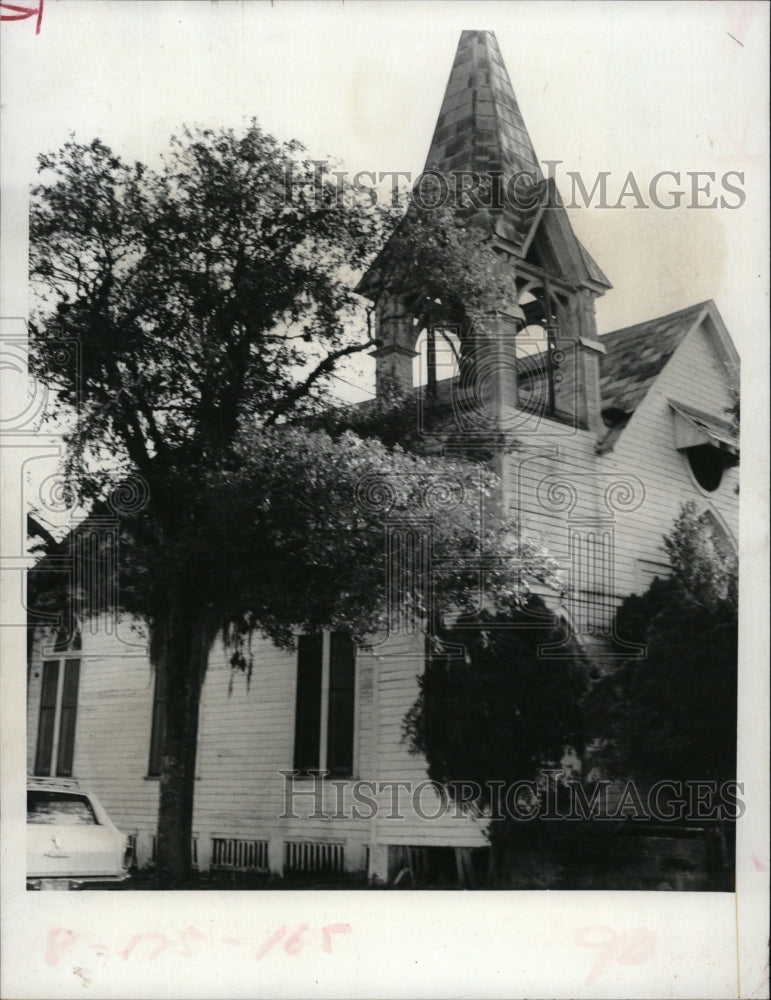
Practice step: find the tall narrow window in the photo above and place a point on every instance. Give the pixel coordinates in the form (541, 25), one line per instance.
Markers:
(324, 712)
(67, 717)
(158, 726)
(308, 705)
(47, 721)
(58, 716)
(342, 674)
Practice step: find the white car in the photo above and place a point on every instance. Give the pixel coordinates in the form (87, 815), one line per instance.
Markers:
(71, 841)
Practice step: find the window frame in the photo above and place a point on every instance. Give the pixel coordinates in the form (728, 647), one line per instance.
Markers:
(58, 716)
(325, 710)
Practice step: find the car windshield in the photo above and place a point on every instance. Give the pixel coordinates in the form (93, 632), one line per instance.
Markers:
(59, 808)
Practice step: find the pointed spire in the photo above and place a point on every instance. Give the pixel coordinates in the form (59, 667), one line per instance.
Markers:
(480, 126)
(480, 130)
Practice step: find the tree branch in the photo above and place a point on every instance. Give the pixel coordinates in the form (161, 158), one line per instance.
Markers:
(36, 529)
(323, 368)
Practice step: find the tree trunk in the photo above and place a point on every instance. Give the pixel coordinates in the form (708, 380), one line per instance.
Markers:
(182, 645)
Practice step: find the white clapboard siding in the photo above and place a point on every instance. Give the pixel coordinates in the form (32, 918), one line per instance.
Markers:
(112, 736)
(246, 736)
(644, 450)
(247, 739)
(648, 442)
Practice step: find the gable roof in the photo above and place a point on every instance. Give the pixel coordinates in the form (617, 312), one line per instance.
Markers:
(552, 231)
(635, 355)
(593, 269)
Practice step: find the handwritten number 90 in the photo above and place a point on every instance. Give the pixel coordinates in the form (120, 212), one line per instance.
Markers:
(627, 948)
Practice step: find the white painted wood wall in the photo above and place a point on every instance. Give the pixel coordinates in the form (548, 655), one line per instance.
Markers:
(246, 727)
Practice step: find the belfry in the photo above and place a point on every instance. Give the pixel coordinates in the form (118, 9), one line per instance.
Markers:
(546, 348)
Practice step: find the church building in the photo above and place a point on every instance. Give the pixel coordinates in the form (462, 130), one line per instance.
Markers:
(598, 439)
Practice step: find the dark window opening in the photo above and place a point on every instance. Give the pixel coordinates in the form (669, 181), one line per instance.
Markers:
(707, 464)
(67, 718)
(308, 704)
(342, 673)
(325, 704)
(57, 718)
(47, 718)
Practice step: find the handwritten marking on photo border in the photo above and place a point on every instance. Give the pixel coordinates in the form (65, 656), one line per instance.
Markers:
(17, 12)
(61, 940)
(636, 947)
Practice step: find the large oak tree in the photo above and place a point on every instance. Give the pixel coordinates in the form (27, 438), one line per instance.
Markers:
(210, 301)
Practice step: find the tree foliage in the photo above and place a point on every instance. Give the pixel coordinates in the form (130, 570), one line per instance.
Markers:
(208, 302)
(501, 709)
(440, 264)
(673, 714)
(202, 295)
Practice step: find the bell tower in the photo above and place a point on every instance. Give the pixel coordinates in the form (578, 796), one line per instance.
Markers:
(543, 351)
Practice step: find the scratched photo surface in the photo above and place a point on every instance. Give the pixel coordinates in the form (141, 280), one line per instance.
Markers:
(373, 384)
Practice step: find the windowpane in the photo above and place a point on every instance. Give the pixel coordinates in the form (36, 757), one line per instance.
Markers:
(69, 710)
(50, 683)
(45, 733)
(70, 687)
(60, 809)
(342, 673)
(308, 710)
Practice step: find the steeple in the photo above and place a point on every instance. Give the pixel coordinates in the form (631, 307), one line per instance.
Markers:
(484, 154)
(481, 131)
(480, 127)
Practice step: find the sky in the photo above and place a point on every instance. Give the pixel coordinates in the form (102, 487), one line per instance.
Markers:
(616, 87)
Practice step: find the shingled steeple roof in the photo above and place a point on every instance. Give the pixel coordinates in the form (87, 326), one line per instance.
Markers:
(480, 130)
(480, 126)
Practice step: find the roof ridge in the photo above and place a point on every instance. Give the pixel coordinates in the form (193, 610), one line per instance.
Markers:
(637, 354)
(697, 306)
